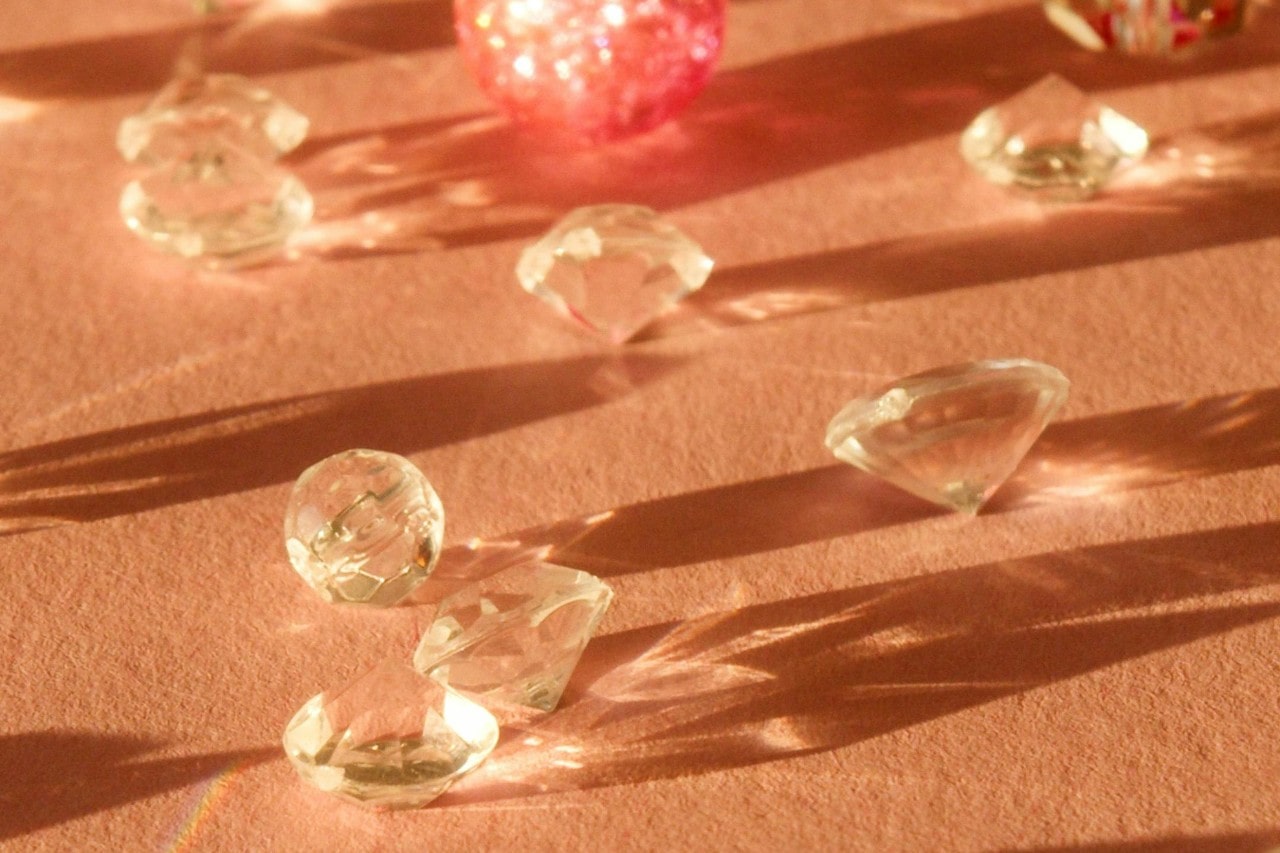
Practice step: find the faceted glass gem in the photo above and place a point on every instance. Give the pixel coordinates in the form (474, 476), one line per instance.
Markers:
(218, 111)
(391, 739)
(213, 192)
(513, 639)
(951, 435)
(591, 70)
(1052, 141)
(221, 208)
(363, 527)
(613, 268)
(1146, 27)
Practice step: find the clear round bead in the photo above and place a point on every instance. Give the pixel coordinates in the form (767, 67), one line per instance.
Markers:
(364, 527)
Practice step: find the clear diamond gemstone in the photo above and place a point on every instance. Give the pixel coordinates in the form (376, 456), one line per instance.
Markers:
(392, 738)
(213, 111)
(513, 639)
(213, 192)
(613, 268)
(1149, 27)
(220, 207)
(364, 527)
(1053, 141)
(954, 434)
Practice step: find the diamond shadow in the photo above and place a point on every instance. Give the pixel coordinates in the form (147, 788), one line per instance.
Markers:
(151, 465)
(825, 671)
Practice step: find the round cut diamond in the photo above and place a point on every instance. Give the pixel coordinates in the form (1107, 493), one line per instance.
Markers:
(364, 527)
(951, 435)
(513, 639)
(613, 268)
(1052, 141)
(390, 739)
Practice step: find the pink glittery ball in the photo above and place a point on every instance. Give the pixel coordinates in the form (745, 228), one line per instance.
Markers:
(591, 70)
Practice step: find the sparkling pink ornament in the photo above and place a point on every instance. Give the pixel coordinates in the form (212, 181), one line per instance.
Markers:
(591, 70)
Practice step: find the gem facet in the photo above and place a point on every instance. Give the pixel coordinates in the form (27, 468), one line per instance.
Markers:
(390, 739)
(1053, 141)
(1149, 27)
(214, 192)
(513, 639)
(591, 70)
(951, 435)
(364, 527)
(613, 268)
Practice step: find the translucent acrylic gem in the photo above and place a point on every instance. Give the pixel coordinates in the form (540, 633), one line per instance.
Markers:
(1053, 141)
(390, 739)
(363, 527)
(213, 192)
(951, 435)
(187, 113)
(513, 639)
(591, 70)
(1146, 27)
(613, 268)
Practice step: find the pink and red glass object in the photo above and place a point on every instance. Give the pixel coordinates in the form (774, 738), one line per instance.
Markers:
(591, 70)
(1151, 27)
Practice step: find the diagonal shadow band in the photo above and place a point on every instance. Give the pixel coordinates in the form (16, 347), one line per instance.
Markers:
(55, 776)
(776, 119)
(1243, 842)
(1110, 453)
(1193, 215)
(825, 671)
(143, 62)
(147, 466)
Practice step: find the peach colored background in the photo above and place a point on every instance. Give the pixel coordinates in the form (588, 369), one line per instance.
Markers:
(799, 657)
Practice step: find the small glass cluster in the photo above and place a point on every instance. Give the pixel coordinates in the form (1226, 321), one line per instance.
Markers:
(365, 527)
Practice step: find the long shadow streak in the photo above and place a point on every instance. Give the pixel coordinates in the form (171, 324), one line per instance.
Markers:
(143, 62)
(1111, 453)
(826, 671)
(147, 466)
(52, 777)
(1148, 447)
(1184, 212)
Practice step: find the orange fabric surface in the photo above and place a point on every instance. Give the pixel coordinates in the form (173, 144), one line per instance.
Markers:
(799, 657)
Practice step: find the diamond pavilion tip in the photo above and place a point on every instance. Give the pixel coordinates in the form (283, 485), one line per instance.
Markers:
(613, 269)
(1052, 141)
(951, 435)
(512, 640)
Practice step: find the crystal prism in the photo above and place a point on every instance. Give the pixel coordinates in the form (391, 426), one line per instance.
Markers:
(1053, 141)
(1146, 27)
(951, 435)
(392, 738)
(514, 639)
(214, 192)
(364, 527)
(613, 268)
